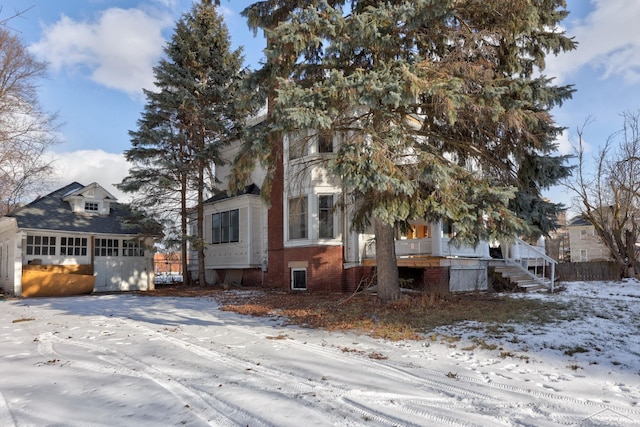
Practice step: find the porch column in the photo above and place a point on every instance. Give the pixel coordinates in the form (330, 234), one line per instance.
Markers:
(17, 263)
(436, 238)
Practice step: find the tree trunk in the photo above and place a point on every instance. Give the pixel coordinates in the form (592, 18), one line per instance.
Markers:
(186, 275)
(200, 244)
(387, 270)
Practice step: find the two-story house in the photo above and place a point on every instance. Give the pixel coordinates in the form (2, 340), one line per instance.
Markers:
(584, 243)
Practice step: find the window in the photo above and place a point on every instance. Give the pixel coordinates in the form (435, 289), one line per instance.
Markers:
(106, 247)
(41, 245)
(91, 206)
(325, 141)
(297, 145)
(585, 233)
(583, 255)
(234, 225)
(448, 229)
(225, 227)
(298, 218)
(325, 216)
(132, 248)
(299, 279)
(73, 246)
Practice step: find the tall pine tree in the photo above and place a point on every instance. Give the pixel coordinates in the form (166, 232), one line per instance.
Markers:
(441, 113)
(186, 122)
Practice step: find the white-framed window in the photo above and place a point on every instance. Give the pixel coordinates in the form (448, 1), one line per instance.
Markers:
(583, 233)
(325, 216)
(299, 279)
(106, 247)
(132, 247)
(91, 206)
(225, 227)
(583, 255)
(448, 230)
(73, 246)
(41, 245)
(298, 218)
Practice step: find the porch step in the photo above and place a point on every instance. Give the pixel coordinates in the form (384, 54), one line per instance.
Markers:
(520, 279)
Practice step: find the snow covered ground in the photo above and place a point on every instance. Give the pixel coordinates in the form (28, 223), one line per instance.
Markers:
(127, 360)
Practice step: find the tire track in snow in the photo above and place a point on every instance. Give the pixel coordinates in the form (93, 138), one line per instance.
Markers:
(393, 371)
(285, 381)
(6, 418)
(210, 411)
(537, 394)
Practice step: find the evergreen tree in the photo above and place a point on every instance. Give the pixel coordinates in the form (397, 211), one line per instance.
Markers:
(439, 108)
(186, 122)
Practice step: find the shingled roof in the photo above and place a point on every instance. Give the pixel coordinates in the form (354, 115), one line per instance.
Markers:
(52, 213)
(252, 189)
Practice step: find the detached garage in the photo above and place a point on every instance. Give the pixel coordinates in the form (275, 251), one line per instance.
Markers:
(77, 239)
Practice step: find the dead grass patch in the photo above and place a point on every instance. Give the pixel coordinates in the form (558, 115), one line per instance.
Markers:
(410, 318)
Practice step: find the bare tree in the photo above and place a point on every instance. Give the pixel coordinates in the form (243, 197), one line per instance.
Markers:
(26, 131)
(4, 21)
(608, 193)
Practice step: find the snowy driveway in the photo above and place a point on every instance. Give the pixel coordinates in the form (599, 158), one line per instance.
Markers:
(127, 360)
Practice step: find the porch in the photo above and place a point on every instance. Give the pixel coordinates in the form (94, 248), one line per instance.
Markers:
(525, 265)
(420, 251)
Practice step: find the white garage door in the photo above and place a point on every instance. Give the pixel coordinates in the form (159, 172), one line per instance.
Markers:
(121, 274)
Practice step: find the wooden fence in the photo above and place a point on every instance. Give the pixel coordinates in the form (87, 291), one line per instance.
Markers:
(587, 271)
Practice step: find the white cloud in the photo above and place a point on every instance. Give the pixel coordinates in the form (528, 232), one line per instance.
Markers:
(608, 41)
(88, 166)
(564, 143)
(118, 49)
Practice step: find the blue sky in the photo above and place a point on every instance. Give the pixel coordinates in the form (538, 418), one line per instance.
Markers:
(101, 53)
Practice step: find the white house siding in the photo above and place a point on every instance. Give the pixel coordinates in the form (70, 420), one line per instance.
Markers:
(258, 236)
(223, 171)
(585, 245)
(248, 251)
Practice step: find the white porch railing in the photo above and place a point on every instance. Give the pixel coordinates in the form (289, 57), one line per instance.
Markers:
(532, 261)
(416, 247)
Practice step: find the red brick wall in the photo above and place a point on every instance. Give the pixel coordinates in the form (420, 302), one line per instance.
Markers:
(436, 280)
(324, 267)
(253, 277)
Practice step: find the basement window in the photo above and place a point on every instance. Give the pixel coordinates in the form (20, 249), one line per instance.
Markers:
(299, 279)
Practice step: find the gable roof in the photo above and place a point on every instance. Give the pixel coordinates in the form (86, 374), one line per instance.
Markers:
(92, 188)
(52, 212)
(579, 221)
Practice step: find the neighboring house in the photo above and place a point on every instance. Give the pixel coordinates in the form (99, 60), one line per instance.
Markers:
(75, 235)
(304, 240)
(584, 243)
